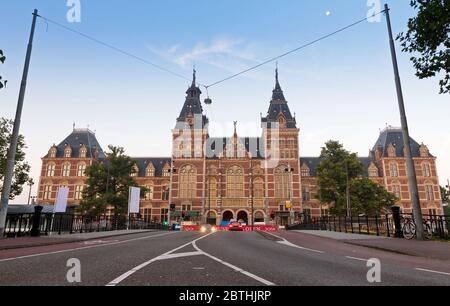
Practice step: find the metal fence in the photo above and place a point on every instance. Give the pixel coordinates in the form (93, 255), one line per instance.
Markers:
(383, 225)
(19, 225)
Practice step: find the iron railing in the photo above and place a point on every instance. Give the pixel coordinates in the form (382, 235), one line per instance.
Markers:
(382, 225)
(19, 225)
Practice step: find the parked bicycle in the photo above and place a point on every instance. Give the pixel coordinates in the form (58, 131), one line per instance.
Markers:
(409, 229)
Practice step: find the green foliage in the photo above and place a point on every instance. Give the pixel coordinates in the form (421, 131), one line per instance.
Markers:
(108, 184)
(428, 36)
(339, 167)
(2, 60)
(369, 198)
(21, 168)
(445, 195)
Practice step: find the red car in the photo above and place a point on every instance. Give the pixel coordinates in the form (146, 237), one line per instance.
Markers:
(235, 226)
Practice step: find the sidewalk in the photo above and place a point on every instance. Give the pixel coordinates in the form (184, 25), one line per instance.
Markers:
(427, 249)
(27, 242)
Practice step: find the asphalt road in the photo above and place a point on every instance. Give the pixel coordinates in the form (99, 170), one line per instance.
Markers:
(222, 258)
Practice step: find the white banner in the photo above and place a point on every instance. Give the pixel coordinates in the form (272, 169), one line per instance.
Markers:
(61, 200)
(133, 200)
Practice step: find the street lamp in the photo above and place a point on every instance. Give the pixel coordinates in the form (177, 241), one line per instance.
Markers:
(290, 170)
(30, 184)
(251, 195)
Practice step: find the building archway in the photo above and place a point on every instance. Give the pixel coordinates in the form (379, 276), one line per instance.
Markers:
(211, 217)
(227, 215)
(242, 215)
(259, 216)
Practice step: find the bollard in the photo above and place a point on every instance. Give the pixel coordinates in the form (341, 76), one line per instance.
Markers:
(397, 224)
(35, 230)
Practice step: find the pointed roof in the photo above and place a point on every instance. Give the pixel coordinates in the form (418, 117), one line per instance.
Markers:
(279, 107)
(392, 136)
(192, 107)
(77, 139)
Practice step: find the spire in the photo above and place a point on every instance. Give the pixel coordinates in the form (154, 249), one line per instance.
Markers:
(277, 92)
(278, 108)
(192, 107)
(235, 129)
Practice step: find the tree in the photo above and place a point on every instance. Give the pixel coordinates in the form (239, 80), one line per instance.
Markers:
(369, 198)
(108, 184)
(2, 61)
(332, 171)
(21, 167)
(340, 169)
(428, 36)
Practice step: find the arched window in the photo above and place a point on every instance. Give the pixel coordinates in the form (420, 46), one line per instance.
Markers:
(235, 182)
(393, 169)
(259, 216)
(188, 182)
(65, 169)
(78, 192)
(149, 193)
(306, 194)
(258, 188)
(51, 169)
(426, 170)
(81, 169)
(47, 192)
(212, 188)
(282, 183)
(429, 191)
(396, 190)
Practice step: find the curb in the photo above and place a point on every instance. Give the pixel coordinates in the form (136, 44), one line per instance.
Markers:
(69, 240)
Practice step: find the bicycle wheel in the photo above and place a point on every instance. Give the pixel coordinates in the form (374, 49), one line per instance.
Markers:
(409, 230)
(427, 232)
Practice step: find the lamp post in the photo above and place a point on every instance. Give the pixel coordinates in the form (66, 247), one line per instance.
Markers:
(30, 184)
(251, 195)
(209, 196)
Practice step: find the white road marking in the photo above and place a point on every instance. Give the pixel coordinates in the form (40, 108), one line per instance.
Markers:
(356, 258)
(432, 271)
(85, 248)
(287, 243)
(178, 255)
(235, 268)
(124, 276)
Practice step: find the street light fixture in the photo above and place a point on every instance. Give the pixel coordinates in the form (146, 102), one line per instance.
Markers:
(30, 184)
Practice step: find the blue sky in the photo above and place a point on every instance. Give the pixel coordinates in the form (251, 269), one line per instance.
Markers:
(341, 88)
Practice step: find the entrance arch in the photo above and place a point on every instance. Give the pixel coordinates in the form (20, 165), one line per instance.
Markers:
(242, 215)
(227, 215)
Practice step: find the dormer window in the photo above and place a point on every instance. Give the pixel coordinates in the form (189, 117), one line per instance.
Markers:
(373, 170)
(83, 152)
(135, 171)
(305, 171)
(67, 152)
(52, 152)
(423, 150)
(150, 171)
(391, 150)
(166, 170)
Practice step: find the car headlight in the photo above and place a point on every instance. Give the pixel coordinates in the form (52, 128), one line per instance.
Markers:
(203, 229)
(213, 229)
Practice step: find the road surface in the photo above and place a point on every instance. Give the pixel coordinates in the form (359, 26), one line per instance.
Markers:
(222, 258)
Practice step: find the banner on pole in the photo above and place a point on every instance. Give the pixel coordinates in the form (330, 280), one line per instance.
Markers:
(133, 200)
(61, 200)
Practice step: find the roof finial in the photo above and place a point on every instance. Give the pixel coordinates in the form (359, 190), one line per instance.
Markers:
(235, 128)
(194, 77)
(74, 125)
